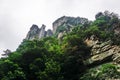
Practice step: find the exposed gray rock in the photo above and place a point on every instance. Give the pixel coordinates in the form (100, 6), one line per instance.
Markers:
(68, 22)
(42, 32)
(98, 15)
(33, 33)
(38, 33)
(49, 33)
(65, 23)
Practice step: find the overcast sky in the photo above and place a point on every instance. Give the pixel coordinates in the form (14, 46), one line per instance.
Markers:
(17, 16)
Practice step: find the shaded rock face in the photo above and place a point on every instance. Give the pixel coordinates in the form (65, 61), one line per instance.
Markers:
(68, 22)
(34, 31)
(42, 32)
(49, 33)
(38, 33)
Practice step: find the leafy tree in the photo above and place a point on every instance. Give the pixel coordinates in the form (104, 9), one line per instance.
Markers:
(75, 51)
(105, 71)
(10, 71)
(53, 59)
(51, 72)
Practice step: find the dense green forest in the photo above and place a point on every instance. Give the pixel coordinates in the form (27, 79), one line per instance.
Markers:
(66, 58)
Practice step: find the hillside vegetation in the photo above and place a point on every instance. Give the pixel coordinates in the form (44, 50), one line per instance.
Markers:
(67, 57)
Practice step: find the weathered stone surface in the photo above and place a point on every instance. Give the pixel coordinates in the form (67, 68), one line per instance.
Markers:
(102, 52)
(68, 21)
(101, 58)
(42, 32)
(60, 35)
(34, 30)
(49, 33)
(38, 33)
(91, 42)
(101, 47)
(116, 57)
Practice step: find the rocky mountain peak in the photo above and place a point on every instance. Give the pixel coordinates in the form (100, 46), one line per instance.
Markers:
(38, 33)
(34, 26)
(42, 32)
(65, 24)
(68, 21)
(34, 30)
(60, 26)
(43, 26)
(49, 33)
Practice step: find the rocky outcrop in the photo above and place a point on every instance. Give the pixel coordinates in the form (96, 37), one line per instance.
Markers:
(33, 33)
(38, 33)
(49, 33)
(102, 52)
(68, 22)
(42, 32)
(60, 26)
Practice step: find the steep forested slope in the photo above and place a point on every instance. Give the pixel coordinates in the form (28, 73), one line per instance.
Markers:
(79, 49)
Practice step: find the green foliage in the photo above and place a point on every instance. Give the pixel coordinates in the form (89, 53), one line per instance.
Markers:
(93, 30)
(52, 59)
(51, 72)
(60, 29)
(28, 44)
(105, 71)
(75, 52)
(10, 71)
(108, 71)
(100, 22)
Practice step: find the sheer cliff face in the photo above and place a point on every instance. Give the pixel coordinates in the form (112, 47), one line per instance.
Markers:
(38, 33)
